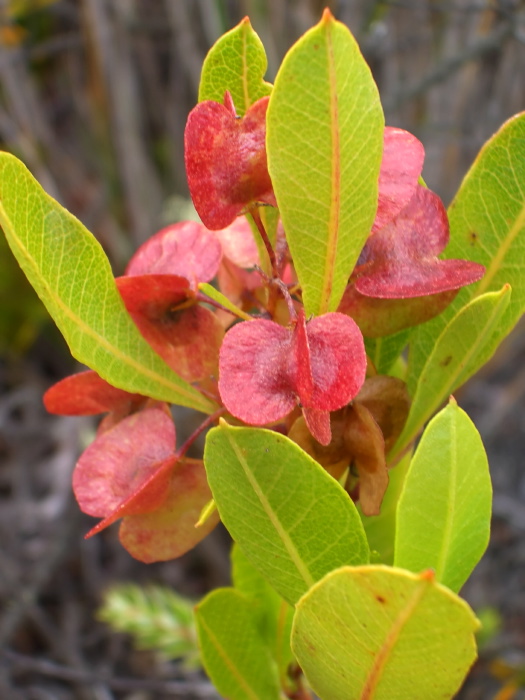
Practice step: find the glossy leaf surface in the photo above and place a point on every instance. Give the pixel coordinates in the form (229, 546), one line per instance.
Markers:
(233, 650)
(324, 156)
(70, 272)
(290, 518)
(487, 225)
(400, 636)
(465, 345)
(237, 63)
(443, 516)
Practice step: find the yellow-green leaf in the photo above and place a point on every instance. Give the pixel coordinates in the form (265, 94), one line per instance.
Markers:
(377, 633)
(71, 274)
(236, 62)
(487, 225)
(443, 515)
(324, 143)
(290, 518)
(233, 651)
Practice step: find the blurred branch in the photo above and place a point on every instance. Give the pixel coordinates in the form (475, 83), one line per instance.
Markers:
(113, 58)
(449, 66)
(185, 690)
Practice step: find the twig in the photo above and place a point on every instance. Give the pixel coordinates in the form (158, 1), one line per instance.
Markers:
(186, 690)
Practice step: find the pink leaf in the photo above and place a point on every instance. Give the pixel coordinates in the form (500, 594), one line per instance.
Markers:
(226, 161)
(170, 530)
(186, 249)
(185, 335)
(121, 462)
(401, 166)
(400, 260)
(266, 369)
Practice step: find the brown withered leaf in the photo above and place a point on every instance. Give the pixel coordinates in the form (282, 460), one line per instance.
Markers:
(388, 401)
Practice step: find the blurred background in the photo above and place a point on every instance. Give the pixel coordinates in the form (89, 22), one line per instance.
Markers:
(94, 96)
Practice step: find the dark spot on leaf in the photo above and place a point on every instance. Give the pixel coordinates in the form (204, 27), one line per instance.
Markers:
(446, 361)
(473, 238)
(380, 599)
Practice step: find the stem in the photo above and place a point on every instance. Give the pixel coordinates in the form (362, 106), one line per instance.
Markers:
(189, 442)
(269, 248)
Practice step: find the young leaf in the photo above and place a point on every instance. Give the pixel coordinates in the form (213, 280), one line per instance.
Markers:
(291, 519)
(487, 225)
(443, 515)
(233, 651)
(71, 274)
(237, 63)
(324, 143)
(464, 345)
(399, 635)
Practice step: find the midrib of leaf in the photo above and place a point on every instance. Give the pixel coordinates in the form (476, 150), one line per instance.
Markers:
(451, 510)
(227, 661)
(498, 259)
(87, 330)
(335, 180)
(446, 388)
(289, 545)
(383, 655)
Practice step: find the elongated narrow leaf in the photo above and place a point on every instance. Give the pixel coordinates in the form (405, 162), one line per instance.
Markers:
(487, 225)
(233, 651)
(236, 62)
(377, 633)
(274, 615)
(71, 274)
(290, 518)
(324, 145)
(443, 516)
(462, 348)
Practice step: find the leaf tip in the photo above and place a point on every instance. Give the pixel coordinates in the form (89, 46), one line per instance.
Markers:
(327, 16)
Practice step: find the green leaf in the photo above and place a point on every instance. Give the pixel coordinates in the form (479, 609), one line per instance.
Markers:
(236, 62)
(384, 351)
(274, 614)
(443, 516)
(487, 225)
(71, 274)
(219, 297)
(233, 651)
(381, 529)
(382, 633)
(290, 518)
(462, 348)
(324, 143)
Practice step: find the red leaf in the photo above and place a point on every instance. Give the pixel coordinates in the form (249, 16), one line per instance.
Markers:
(122, 463)
(185, 335)
(265, 369)
(226, 161)
(401, 166)
(87, 394)
(170, 530)
(400, 260)
(186, 249)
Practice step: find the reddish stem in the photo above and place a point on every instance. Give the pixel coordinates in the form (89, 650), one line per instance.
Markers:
(205, 424)
(269, 248)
